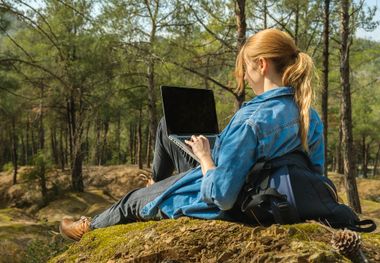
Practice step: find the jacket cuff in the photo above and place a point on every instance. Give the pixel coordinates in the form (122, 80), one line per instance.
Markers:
(207, 187)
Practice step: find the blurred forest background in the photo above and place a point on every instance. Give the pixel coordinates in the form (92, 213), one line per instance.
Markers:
(79, 79)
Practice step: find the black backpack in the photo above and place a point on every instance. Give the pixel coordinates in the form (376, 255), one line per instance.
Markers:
(286, 190)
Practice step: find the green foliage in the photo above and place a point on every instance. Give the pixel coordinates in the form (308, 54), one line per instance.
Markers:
(7, 167)
(39, 251)
(41, 164)
(77, 72)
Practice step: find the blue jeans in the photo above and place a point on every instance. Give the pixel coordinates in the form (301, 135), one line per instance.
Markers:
(167, 157)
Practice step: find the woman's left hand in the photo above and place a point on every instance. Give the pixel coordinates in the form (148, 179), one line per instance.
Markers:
(200, 146)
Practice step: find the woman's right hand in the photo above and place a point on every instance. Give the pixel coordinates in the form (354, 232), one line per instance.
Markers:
(200, 146)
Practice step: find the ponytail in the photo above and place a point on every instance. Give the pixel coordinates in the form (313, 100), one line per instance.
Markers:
(240, 71)
(299, 76)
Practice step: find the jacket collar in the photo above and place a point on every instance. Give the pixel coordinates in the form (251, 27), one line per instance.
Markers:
(273, 93)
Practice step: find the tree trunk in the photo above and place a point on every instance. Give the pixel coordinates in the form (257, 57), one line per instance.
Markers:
(349, 166)
(296, 24)
(42, 175)
(62, 157)
(97, 155)
(117, 135)
(67, 146)
(139, 141)
(14, 150)
(33, 143)
(365, 156)
(76, 171)
(152, 101)
(340, 168)
(75, 135)
(241, 32)
(265, 15)
(148, 149)
(23, 150)
(41, 129)
(131, 143)
(54, 145)
(325, 86)
(27, 150)
(71, 126)
(104, 143)
(376, 161)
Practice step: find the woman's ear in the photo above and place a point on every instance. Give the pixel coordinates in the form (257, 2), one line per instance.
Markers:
(263, 65)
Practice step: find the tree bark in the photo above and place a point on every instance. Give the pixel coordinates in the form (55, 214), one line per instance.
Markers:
(152, 101)
(62, 158)
(348, 160)
(148, 149)
(75, 136)
(131, 143)
(23, 150)
(376, 161)
(42, 175)
(27, 150)
(54, 145)
(71, 126)
(296, 24)
(265, 15)
(139, 141)
(339, 157)
(365, 156)
(97, 156)
(241, 32)
(325, 85)
(76, 171)
(14, 150)
(41, 129)
(33, 143)
(104, 143)
(118, 139)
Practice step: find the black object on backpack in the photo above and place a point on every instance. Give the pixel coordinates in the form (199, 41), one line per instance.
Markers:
(286, 190)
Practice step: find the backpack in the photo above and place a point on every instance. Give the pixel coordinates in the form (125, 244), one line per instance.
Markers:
(286, 190)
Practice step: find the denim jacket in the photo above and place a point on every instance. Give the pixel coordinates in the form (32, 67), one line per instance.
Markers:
(265, 127)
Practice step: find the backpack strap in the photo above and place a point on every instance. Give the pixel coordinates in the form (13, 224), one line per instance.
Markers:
(263, 167)
(260, 198)
(358, 224)
(282, 211)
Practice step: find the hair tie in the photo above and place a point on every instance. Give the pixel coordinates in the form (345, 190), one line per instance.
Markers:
(296, 53)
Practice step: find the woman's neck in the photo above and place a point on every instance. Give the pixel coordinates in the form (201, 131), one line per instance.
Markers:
(272, 83)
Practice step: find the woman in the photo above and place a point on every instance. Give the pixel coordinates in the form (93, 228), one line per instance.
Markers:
(277, 121)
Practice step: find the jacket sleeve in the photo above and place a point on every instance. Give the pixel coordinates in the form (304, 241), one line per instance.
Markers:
(238, 153)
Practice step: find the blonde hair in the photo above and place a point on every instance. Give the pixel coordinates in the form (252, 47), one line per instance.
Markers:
(296, 68)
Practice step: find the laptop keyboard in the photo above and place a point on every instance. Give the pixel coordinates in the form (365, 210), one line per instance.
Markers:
(211, 139)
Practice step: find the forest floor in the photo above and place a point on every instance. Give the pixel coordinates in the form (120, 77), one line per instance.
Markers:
(29, 232)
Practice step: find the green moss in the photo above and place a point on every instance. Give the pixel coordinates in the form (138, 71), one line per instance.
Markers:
(305, 230)
(190, 240)
(103, 243)
(5, 216)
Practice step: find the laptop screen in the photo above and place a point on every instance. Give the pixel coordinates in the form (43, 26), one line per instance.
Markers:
(189, 111)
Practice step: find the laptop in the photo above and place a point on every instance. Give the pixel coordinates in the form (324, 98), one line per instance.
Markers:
(189, 111)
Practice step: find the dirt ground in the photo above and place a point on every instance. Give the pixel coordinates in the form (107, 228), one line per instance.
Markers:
(29, 232)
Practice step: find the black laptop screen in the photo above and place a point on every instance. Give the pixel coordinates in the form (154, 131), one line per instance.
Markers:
(189, 111)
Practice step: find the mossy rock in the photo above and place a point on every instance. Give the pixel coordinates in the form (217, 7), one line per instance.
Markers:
(190, 240)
